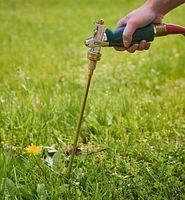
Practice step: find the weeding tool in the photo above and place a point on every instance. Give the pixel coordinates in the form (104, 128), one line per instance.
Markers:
(114, 38)
(94, 55)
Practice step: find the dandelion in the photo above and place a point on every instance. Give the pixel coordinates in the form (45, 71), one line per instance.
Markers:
(34, 150)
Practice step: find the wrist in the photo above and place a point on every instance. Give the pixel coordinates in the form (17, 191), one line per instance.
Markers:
(162, 7)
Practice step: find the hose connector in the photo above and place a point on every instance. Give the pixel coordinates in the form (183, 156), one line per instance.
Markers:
(165, 29)
(160, 30)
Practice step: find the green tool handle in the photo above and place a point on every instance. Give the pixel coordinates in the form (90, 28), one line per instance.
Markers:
(115, 37)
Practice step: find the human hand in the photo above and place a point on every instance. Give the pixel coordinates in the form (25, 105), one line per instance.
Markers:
(137, 19)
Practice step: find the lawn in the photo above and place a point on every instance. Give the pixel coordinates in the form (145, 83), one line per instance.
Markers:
(132, 140)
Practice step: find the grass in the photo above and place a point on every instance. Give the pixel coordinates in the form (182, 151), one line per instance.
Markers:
(135, 107)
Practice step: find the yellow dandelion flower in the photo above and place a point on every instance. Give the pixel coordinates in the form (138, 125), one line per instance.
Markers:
(33, 149)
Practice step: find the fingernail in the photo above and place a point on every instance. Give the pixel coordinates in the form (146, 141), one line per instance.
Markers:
(126, 44)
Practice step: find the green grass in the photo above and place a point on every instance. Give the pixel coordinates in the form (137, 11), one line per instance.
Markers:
(135, 107)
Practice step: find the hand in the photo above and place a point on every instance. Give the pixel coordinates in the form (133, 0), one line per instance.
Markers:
(137, 19)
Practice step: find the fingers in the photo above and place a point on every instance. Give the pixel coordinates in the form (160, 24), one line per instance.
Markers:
(127, 34)
(121, 22)
(128, 31)
(143, 45)
(133, 48)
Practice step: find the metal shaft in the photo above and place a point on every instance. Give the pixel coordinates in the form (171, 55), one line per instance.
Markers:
(80, 122)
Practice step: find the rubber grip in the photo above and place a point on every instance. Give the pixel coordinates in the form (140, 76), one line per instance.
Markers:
(115, 37)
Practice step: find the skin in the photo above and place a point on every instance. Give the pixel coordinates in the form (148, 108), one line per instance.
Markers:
(153, 11)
